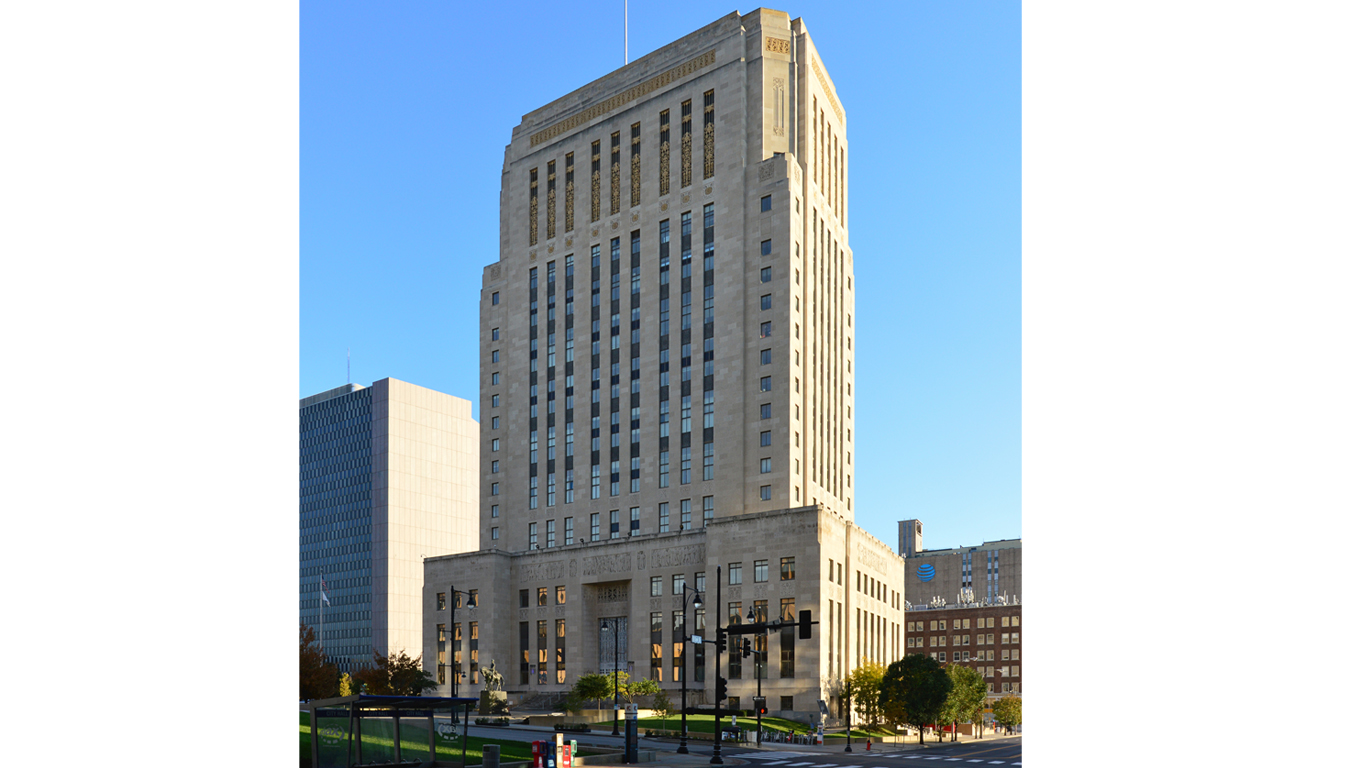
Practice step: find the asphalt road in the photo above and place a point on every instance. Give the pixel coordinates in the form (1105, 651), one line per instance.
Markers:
(1006, 752)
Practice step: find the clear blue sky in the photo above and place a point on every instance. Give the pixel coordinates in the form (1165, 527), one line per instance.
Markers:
(405, 109)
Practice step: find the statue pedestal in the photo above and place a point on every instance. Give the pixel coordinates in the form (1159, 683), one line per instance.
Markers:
(493, 702)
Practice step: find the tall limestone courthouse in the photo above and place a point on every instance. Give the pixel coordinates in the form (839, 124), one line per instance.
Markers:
(667, 389)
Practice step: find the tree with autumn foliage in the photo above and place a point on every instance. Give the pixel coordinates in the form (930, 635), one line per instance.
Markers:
(394, 675)
(317, 677)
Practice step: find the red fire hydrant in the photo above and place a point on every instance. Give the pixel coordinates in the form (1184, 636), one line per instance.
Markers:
(869, 748)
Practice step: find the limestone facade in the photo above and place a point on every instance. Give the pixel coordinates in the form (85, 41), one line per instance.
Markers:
(843, 575)
(666, 381)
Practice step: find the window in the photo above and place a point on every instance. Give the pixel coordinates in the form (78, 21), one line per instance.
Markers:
(766, 301)
(766, 247)
(441, 601)
(785, 702)
(765, 492)
(789, 569)
(495, 334)
(494, 490)
(495, 466)
(531, 534)
(495, 298)
(496, 444)
(679, 581)
(765, 356)
(765, 411)
(656, 586)
(495, 379)
(559, 595)
(495, 355)
(493, 511)
(766, 203)
(568, 524)
(593, 526)
(494, 533)
(766, 384)
(523, 598)
(494, 402)
(664, 517)
(474, 598)
(735, 573)
(765, 440)
(495, 422)
(765, 466)
(760, 571)
(765, 330)
(766, 275)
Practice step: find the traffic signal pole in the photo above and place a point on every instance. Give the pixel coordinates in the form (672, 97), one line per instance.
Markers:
(720, 681)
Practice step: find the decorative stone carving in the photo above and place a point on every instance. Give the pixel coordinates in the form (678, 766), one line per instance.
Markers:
(625, 97)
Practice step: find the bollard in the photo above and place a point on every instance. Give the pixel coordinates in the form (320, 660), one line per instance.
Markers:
(490, 756)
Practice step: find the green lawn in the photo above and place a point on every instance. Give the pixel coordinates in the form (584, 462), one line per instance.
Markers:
(707, 725)
(414, 738)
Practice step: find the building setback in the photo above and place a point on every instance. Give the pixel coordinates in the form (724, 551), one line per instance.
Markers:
(666, 384)
(386, 475)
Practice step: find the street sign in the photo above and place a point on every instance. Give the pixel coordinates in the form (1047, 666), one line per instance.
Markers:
(696, 639)
(631, 711)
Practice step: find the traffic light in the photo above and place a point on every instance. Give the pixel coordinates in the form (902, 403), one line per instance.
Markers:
(761, 705)
(745, 649)
(804, 625)
(720, 688)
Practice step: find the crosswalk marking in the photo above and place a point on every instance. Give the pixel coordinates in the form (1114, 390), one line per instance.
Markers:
(794, 765)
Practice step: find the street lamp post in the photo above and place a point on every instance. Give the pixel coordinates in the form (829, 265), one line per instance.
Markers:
(683, 676)
(848, 718)
(616, 728)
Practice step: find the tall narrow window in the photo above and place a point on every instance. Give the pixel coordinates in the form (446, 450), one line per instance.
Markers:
(569, 192)
(664, 153)
(534, 213)
(595, 182)
(708, 134)
(635, 164)
(616, 173)
(550, 199)
(685, 159)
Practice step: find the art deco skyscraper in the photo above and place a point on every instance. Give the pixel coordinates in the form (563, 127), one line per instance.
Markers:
(666, 387)
(669, 329)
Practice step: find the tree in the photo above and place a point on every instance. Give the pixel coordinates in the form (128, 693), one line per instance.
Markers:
(865, 684)
(1008, 711)
(317, 676)
(918, 686)
(639, 688)
(344, 688)
(395, 675)
(663, 705)
(593, 686)
(967, 697)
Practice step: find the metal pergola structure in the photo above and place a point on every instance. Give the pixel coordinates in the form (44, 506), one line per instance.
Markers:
(359, 707)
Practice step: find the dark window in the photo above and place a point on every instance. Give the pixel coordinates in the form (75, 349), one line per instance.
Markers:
(495, 297)
(765, 357)
(765, 412)
(766, 301)
(766, 247)
(766, 274)
(766, 203)
(524, 598)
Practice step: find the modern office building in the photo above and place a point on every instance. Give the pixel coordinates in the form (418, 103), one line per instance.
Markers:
(386, 475)
(666, 390)
(987, 573)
